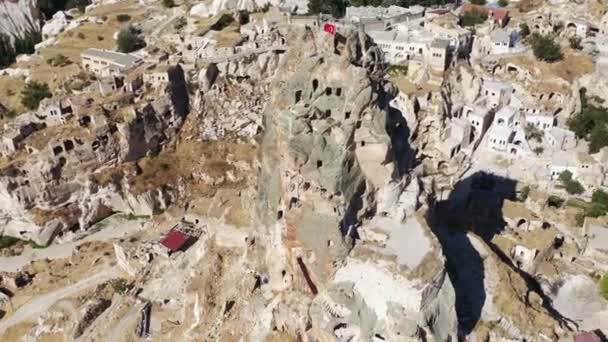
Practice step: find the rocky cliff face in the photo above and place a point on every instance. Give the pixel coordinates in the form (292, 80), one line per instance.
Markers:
(330, 200)
(18, 17)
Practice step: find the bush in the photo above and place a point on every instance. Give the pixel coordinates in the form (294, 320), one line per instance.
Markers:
(604, 286)
(575, 43)
(100, 38)
(572, 186)
(7, 241)
(555, 201)
(129, 40)
(58, 60)
(524, 193)
(168, 3)
(478, 2)
(532, 132)
(33, 93)
(180, 23)
(524, 30)
(80, 35)
(27, 43)
(120, 286)
(538, 150)
(590, 124)
(473, 17)
(545, 48)
(123, 18)
(503, 3)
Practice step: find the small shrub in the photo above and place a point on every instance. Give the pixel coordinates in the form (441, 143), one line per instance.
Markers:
(80, 4)
(503, 3)
(524, 193)
(579, 219)
(80, 35)
(11, 114)
(123, 18)
(524, 30)
(7, 241)
(120, 286)
(575, 43)
(58, 60)
(33, 93)
(478, 2)
(168, 3)
(180, 23)
(266, 7)
(538, 150)
(100, 38)
(165, 166)
(555, 201)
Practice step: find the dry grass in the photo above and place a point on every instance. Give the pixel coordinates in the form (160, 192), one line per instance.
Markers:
(230, 36)
(10, 92)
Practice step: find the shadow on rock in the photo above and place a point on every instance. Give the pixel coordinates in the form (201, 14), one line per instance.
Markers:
(475, 205)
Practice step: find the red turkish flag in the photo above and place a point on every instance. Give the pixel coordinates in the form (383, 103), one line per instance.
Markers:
(330, 28)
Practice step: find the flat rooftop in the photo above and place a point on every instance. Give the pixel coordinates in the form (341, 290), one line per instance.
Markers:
(121, 59)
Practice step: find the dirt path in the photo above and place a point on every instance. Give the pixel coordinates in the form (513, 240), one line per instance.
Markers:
(113, 227)
(41, 304)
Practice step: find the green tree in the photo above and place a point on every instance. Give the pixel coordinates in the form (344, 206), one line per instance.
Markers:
(572, 186)
(33, 93)
(7, 52)
(524, 30)
(524, 193)
(129, 40)
(591, 123)
(503, 3)
(473, 17)
(169, 3)
(478, 2)
(545, 48)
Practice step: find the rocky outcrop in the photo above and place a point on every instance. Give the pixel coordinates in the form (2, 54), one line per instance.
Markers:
(330, 163)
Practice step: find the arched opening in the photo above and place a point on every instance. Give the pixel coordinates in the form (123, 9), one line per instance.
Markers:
(338, 91)
(298, 96)
(57, 150)
(319, 164)
(521, 222)
(69, 145)
(347, 115)
(315, 85)
(328, 91)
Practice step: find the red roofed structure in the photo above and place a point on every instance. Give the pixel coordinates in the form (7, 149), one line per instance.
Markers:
(175, 240)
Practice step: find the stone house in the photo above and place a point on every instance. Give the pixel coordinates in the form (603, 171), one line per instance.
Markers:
(496, 16)
(502, 41)
(577, 27)
(563, 162)
(156, 76)
(589, 171)
(560, 139)
(540, 121)
(498, 94)
(105, 62)
(455, 137)
(54, 112)
(480, 117)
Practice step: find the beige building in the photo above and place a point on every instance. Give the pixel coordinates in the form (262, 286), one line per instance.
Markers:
(106, 63)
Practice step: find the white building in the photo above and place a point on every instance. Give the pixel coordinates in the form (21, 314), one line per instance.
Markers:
(106, 63)
(540, 121)
(456, 137)
(502, 41)
(54, 112)
(560, 139)
(497, 93)
(400, 47)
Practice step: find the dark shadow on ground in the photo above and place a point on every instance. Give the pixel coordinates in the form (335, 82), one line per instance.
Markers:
(475, 205)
